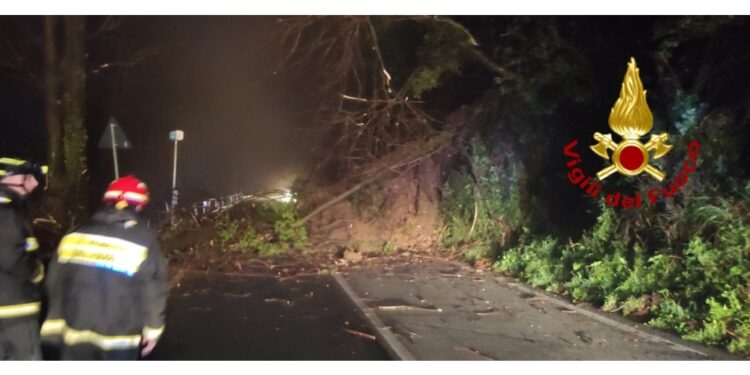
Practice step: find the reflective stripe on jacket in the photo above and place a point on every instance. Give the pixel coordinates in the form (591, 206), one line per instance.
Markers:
(107, 284)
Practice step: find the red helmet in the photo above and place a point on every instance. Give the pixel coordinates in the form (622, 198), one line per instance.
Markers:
(129, 190)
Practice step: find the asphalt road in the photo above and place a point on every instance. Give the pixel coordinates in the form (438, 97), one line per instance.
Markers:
(438, 310)
(227, 317)
(417, 309)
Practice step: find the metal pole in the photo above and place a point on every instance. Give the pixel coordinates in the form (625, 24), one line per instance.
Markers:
(174, 168)
(174, 182)
(114, 149)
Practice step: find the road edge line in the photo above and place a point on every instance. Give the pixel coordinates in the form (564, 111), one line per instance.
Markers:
(386, 338)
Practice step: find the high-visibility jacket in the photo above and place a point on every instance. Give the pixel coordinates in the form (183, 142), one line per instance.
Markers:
(107, 284)
(20, 271)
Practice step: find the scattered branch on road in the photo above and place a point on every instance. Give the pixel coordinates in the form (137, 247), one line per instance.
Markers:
(278, 300)
(233, 295)
(360, 334)
(474, 351)
(408, 308)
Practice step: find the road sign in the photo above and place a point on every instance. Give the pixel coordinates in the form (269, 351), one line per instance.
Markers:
(114, 136)
(176, 135)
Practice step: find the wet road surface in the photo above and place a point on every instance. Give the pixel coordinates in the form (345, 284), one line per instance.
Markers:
(439, 310)
(226, 317)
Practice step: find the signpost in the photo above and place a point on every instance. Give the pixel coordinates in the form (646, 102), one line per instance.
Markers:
(114, 137)
(175, 136)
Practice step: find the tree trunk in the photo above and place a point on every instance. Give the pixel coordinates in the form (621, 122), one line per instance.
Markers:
(73, 104)
(52, 107)
(65, 78)
(55, 199)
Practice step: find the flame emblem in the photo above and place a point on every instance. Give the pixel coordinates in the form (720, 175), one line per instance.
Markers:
(631, 119)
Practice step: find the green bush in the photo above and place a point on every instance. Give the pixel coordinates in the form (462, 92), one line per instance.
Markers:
(289, 231)
(480, 206)
(273, 229)
(228, 232)
(532, 261)
(699, 287)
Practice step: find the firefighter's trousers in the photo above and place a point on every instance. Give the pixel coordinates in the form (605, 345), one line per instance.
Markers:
(89, 352)
(19, 339)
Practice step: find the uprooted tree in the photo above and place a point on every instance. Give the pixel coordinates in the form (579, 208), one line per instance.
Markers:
(680, 265)
(367, 108)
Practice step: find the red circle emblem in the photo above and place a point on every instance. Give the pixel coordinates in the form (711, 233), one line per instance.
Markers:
(631, 158)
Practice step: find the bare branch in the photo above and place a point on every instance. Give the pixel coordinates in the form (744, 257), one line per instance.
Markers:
(358, 109)
(138, 58)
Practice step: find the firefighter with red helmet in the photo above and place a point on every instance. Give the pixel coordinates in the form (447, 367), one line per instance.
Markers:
(107, 282)
(20, 270)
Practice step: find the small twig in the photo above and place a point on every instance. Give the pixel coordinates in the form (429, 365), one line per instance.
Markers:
(474, 221)
(244, 295)
(488, 313)
(473, 351)
(408, 308)
(287, 265)
(45, 221)
(258, 261)
(537, 298)
(278, 300)
(361, 334)
(298, 276)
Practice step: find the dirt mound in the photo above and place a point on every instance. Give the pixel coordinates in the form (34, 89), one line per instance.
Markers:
(399, 210)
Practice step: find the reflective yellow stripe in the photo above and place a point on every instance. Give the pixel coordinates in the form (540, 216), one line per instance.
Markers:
(152, 333)
(15, 311)
(4, 199)
(76, 337)
(31, 244)
(53, 327)
(101, 251)
(40, 274)
(73, 336)
(11, 161)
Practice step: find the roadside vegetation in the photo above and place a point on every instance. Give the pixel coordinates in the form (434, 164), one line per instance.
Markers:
(251, 230)
(683, 266)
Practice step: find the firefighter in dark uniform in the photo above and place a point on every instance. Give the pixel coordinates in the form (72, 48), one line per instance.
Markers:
(20, 271)
(107, 283)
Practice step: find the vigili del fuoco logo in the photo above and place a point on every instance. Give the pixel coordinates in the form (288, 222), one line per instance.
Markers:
(631, 119)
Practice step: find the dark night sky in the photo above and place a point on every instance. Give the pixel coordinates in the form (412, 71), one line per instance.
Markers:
(210, 76)
(211, 79)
